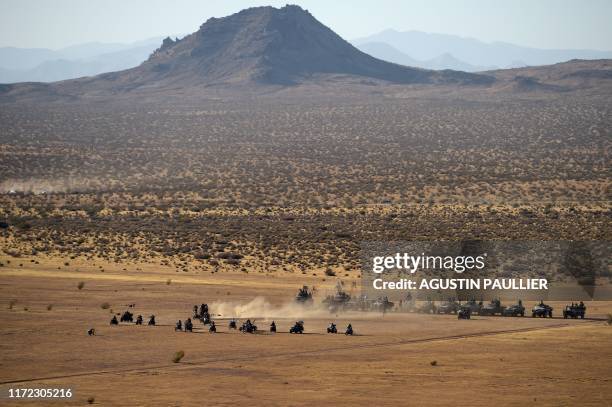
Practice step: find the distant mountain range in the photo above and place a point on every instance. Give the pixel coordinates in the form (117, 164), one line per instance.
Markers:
(409, 48)
(264, 50)
(386, 52)
(443, 51)
(45, 65)
(257, 47)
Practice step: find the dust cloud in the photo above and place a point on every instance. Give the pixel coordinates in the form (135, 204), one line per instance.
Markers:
(259, 307)
(41, 185)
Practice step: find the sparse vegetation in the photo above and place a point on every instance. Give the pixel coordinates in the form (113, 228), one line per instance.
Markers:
(178, 356)
(281, 189)
(388, 170)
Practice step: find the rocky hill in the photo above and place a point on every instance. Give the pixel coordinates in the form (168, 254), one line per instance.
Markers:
(258, 46)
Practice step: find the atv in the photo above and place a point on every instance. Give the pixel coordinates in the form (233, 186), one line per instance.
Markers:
(248, 327)
(464, 313)
(298, 328)
(127, 316)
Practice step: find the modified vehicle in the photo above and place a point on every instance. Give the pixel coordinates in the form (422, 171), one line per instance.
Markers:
(450, 306)
(492, 308)
(473, 306)
(574, 311)
(382, 305)
(338, 301)
(516, 310)
(304, 296)
(542, 311)
(429, 307)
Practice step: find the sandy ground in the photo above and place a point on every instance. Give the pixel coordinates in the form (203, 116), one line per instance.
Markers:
(484, 361)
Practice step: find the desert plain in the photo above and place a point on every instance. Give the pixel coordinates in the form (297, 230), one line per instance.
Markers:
(401, 358)
(248, 159)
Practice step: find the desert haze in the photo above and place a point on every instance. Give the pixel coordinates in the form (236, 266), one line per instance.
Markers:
(252, 157)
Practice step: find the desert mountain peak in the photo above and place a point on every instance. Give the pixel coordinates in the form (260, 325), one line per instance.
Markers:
(277, 46)
(254, 47)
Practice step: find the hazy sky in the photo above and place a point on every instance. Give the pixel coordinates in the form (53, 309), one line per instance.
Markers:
(536, 23)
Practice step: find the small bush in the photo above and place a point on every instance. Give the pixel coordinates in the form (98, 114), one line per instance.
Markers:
(330, 273)
(105, 305)
(168, 281)
(434, 363)
(81, 285)
(609, 321)
(49, 307)
(91, 400)
(12, 304)
(178, 356)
